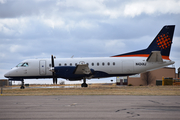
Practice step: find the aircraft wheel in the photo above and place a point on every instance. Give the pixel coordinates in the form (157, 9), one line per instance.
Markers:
(22, 87)
(84, 85)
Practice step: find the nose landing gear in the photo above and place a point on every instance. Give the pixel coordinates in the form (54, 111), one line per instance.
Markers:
(22, 84)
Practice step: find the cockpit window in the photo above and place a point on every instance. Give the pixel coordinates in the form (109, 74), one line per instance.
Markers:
(22, 64)
(19, 65)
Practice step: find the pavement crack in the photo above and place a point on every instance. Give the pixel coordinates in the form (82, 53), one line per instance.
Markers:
(117, 110)
(133, 114)
(156, 102)
(129, 112)
(120, 110)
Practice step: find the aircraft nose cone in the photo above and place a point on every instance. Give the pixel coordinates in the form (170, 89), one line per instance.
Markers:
(6, 75)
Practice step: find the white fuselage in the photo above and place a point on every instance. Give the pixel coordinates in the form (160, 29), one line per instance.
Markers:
(113, 66)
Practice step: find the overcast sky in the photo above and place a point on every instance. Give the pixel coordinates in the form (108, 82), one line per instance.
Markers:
(84, 28)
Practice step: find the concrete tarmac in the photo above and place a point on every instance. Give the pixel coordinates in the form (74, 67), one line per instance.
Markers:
(89, 107)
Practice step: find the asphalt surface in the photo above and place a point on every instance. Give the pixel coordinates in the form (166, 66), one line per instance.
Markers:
(89, 107)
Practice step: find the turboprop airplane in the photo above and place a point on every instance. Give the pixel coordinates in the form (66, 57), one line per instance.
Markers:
(155, 56)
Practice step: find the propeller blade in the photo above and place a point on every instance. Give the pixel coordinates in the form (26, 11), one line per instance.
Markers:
(53, 73)
(52, 61)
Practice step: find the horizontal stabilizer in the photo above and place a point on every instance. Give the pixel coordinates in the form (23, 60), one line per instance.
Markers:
(155, 56)
(82, 69)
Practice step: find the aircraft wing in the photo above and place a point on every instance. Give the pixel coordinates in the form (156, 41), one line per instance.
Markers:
(82, 69)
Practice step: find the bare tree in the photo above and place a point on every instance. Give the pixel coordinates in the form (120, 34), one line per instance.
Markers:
(147, 77)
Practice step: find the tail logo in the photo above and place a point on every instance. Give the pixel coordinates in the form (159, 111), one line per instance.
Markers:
(163, 41)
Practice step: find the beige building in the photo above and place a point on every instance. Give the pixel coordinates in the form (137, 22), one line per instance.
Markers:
(151, 77)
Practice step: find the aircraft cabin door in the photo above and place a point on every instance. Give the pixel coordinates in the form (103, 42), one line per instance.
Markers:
(42, 67)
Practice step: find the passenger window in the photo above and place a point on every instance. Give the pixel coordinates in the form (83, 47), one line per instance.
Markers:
(113, 63)
(87, 64)
(70, 64)
(75, 64)
(108, 63)
(92, 64)
(97, 64)
(59, 64)
(103, 63)
(65, 64)
(49, 65)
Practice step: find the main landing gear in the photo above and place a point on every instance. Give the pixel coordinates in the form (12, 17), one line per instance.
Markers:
(22, 84)
(84, 83)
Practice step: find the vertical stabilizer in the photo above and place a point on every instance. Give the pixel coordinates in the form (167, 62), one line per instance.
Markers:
(162, 42)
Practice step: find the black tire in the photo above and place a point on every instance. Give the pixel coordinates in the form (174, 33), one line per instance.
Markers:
(22, 87)
(84, 85)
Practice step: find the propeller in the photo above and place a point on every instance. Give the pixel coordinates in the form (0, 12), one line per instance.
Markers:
(52, 69)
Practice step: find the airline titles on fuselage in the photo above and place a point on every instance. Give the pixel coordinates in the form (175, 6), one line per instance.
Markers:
(141, 64)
